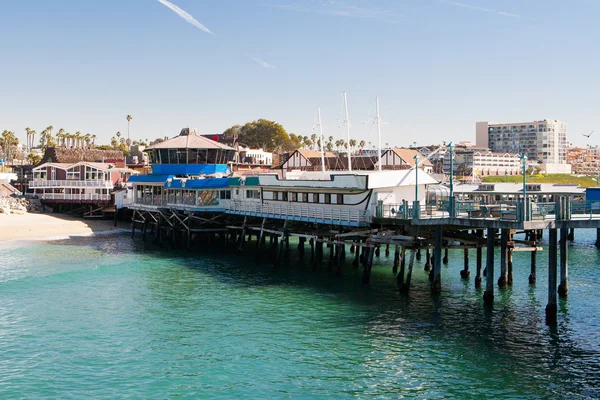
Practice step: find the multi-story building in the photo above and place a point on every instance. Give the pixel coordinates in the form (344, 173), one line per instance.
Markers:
(584, 161)
(482, 161)
(544, 142)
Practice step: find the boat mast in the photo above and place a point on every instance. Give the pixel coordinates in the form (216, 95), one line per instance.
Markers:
(378, 118)
(347, 123)
(321, 138)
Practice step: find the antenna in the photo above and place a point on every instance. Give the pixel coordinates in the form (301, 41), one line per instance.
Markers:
(378, 120)
(320, 125)
(347, 123)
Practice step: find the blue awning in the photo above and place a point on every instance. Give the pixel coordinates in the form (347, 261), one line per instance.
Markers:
(149, 178)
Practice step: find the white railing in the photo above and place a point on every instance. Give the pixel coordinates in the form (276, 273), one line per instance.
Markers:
(41, 183)
(307, 213)
(62, 196)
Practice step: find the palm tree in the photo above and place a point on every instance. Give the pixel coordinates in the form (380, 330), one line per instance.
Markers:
(353, 144)
(114, 143)
(93, 140)
(8, 140)
(362, 144)
(33, 158)
(28, 130)
(61, 134)
(87, 139)
(129, 118)
(78, 138)
(49, 139)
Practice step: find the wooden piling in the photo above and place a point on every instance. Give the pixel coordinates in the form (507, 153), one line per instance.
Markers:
(465, 273)
(551, 307)
(427, 266)
(532, 273)
(367, 270)
(396, 259)
(503, 278)
(488, 295)
(406, 284)
(563, 288)
(445, 260)
(436, 285)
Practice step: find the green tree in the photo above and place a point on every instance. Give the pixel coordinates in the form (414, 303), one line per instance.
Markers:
(33, 159)
(265, 134)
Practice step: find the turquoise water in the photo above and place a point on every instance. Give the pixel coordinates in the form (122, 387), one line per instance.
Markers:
(108, 317)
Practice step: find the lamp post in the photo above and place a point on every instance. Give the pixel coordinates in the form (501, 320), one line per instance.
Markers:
(524, 164)
(451, 200)
(416, 158)
(416, 206)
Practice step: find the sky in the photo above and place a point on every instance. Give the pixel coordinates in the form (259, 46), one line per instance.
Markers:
(437, 66)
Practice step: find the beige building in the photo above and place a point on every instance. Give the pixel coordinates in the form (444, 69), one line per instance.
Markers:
(544, 142)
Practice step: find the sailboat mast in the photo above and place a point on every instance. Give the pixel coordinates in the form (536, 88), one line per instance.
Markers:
(378, 132)
(322, 139)
(347, 123)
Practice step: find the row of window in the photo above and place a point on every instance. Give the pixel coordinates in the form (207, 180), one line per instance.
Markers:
(308, 197)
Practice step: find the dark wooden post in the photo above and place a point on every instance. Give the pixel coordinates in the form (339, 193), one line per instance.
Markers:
(445, 260)
(503, 278)
(488, 295)
(427, 260)
(532, 274)
(464, 273)
(551, 308)
(367, 270)
(563, 288)
(436, 285)
(396, 259)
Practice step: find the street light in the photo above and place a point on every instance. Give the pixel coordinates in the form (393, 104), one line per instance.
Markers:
(451, 200)
(416, 158)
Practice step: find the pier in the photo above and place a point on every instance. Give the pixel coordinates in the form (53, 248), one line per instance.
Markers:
(407, 234)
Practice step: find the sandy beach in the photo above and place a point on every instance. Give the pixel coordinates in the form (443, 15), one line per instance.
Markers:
(40, 226)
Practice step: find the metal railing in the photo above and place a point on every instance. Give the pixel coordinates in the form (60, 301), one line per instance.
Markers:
(62, 196)
(306, 213)
(42, 183)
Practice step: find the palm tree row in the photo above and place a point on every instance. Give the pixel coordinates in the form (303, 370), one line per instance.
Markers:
(313, 142)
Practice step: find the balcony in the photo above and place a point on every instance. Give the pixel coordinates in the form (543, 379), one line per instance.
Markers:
(42, 183)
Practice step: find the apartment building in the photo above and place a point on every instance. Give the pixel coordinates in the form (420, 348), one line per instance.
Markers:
(544, 142)
(483, 161)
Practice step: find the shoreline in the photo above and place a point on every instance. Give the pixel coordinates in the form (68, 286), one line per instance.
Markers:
(47, 227)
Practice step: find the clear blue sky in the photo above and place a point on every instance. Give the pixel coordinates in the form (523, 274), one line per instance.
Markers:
(438, 66)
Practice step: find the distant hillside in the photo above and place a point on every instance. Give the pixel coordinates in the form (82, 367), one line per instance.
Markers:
(583, 181)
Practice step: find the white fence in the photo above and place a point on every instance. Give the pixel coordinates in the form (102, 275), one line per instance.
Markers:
(304, 213)
(41, 183)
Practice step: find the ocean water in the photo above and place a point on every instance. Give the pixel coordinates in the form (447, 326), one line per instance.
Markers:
(111, 317)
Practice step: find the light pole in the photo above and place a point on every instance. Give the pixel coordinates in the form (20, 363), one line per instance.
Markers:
(416, 206)
(451, 200)
(597, 176)
(416, 158)
(524, 164)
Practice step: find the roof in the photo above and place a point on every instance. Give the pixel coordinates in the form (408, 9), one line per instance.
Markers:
(517, 188)
(189, 139)
(314, 153)
(408, 156)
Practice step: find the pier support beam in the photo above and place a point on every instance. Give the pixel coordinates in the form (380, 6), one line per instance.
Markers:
(503, 278)
(436, 285)
(571, 235)
(367, 270)
(464, 273)
(563, 288)
(532, 274)
(445, 260)
(356, 261)
(478, 267)
(404, 284)
(396, 259)
(488, 295)
(597, 238)
(427, 260)
(509, 281)
(551, 308)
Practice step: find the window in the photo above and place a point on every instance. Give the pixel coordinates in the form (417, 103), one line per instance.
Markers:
(275, 195)
(305, 197)
(225, 195)
(315, 197)
(253, 194)
(294, 196)
(327, 198)
(340, 198)
(284, 196)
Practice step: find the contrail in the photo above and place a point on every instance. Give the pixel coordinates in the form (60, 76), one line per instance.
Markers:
(186, 16)
(263, 63)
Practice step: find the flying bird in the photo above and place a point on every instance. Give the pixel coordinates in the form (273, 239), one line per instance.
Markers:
(587, 136)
